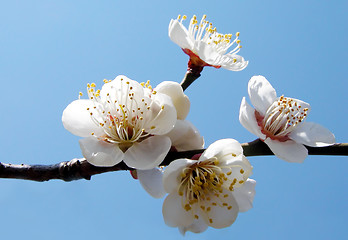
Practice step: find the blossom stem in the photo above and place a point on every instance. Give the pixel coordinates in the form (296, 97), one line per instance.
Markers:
(189, 78)
(80, 169)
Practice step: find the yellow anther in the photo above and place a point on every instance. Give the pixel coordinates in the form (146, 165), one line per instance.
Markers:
(238, 41)
(210, 220)
(242, 171)
(229, 173)
(216, 162)
(208, 209)
(229, 207)
(184, 17)
(179, 16)
(225, 204)
(187, 207)
(80, 93)
(162, 107)
(226, 195)
(234, 60)
(153, 127)
(92, 85)
(196, 217)
(241, 182)
(181, 193)
(237, 34)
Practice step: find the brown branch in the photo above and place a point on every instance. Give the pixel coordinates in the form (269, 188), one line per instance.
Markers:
(80, 169)
(189, 78)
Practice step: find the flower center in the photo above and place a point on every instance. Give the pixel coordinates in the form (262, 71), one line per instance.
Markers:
(121, 114)
(205, 185)
(205, 32)
(282, 117)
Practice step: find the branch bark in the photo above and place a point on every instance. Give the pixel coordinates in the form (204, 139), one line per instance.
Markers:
(80, 169)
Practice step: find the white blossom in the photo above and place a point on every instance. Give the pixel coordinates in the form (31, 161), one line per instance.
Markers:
(209, 191)
(205, 46)
(280, 122)
(123, 121)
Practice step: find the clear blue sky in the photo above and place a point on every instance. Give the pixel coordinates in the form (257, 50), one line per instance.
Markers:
(50, 50)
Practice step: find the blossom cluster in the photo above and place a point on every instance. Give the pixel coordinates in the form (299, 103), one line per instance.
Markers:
(138, 124)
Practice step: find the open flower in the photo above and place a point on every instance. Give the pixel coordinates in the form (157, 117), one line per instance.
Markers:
(205, 46)
(122, 121)
(280, 122)
(184, 136)
(209, 191)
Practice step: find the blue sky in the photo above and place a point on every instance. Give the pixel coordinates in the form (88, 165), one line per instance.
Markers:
(50, 50)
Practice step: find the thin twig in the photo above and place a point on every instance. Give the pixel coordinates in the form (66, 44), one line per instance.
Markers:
(80, 169)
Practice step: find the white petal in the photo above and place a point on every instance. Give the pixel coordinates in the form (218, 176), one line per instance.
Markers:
(180, 100)
(147, 154)
(248, 120)
(220, 216)
(172, 174)
(222, 148)
(163, 115)
(100, 153)
(313, 134)
(197, 226)
(244, 195)
(185, 136)
(151, 180)
(77, 119)
(289, 151)
(207, 53)
(261, 93)
(119, 88)
(173, 212)
(228, 62)
(180, 129)
(179, 34)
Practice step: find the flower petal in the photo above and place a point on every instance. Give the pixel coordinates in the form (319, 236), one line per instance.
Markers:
(119, 88)
(77, 119)
(221, 216)
(313, 134)
(244, 195)
(164, 115)
(289, 151)
(179, 34)
(151, 180)
(233, 62)
(176, 93)
(172, 174)
(100, 153)
(221, 148)
(261, 93)
(173, 212)
(248, 120)
(208, 54)
(197, 226)
(147, 154)
(185, 136)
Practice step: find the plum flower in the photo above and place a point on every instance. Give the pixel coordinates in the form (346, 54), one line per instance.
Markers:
(205, 46)
(209, 191)
(184, 136)
(122, 121)
(280, 122)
